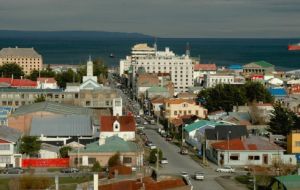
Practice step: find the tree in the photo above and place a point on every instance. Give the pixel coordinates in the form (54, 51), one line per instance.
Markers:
(153, 157)
(67, 76)
(64, 151)
(40, 98)
(256, 91)
(114, 160)
(283, 121)
(96, 167)
(11, 69)
(48, 72)
(30, 145)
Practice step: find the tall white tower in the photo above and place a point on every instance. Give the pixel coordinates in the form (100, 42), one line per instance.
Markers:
(89, 71)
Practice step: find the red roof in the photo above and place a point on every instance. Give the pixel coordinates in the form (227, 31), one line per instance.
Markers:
(205, 67)
(127, 123)
(46, 80)
(18, 82)
(4, 141)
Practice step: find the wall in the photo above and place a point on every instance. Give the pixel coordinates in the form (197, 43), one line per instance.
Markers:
(47, 154)
(127, 135)
(37, 162)
(192, 107)
(291, 143)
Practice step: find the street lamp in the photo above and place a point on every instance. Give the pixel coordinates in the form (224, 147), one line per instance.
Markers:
(228, 134)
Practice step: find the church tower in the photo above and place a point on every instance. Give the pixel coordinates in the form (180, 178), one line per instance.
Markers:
(89, 72)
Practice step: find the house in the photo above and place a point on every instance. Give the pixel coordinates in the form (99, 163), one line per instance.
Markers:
(216, 115)
(48, 151)
(293, 142)
(258, 67)
(275, 82)
(253, 150)
(18, 83)
(156, 104)
(130, 153)
(278, 92)
(145, 81)
(176, 107)
(187, 95)
(237, 118)
(122, 126)
(225, 132)
(59, 130)
(155, 91)
(4, 113)
(9, 147)
(46, 83)
(201, 69)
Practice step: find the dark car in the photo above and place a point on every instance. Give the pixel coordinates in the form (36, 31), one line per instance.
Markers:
(69, 170)
(16, 170)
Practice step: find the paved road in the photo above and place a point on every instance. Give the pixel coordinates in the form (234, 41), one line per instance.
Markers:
(178, 163)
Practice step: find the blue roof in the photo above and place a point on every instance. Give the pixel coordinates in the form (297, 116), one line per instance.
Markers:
(277, 92)
(235, 67)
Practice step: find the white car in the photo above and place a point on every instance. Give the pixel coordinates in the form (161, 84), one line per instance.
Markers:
(225, 169)
(152, 146)
(146, 123)
(199, 176)
(184, 174)
(164, 161)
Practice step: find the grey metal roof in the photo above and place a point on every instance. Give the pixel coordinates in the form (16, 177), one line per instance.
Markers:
(19, 52)
(9, 134)
(52, 107)
(62, 125)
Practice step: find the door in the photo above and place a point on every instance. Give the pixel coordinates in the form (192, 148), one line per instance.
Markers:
(17, 162)
(265, 159)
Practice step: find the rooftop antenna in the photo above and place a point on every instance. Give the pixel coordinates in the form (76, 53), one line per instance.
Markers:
(188, 49)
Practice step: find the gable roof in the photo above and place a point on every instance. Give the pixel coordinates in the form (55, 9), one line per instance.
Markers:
(220, 132)
(112, 144)
(127, 123)
(61, 125)
(250, 143)
(9, 134)
(18, 82)
(262, 64)
(52, 107)
(199, 124)
(205, 67)
(46, 80)
(158, 100)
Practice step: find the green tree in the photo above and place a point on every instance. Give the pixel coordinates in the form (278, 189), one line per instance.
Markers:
(64, 151)
(67, 76)
(48, 72)
(11, 69)
(256, 91)
(30, 145)
(114, 160)
(283, 121)
(40, 98)
(153, 157)
(96, 167)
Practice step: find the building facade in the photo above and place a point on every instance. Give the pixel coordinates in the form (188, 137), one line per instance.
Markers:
(259, 67)
(27, 58)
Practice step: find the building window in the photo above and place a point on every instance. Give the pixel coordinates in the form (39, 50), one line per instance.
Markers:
(175, 112)
(297, 143)
(197, 112)
(56, 96)
(107, 103)
(5, 159)
(4, 146)
(91, 160)
(253, 157)
(88, 103)
(234, 157)
(127, 160)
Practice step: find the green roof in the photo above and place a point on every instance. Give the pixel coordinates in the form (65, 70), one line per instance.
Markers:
(157, 89)
(199, 124)
(291, 182)
(112, 144)
(263, 64)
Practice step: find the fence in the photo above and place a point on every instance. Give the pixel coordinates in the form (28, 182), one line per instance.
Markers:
(39, 163)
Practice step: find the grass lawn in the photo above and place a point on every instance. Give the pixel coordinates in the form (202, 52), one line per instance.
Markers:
(53, 169)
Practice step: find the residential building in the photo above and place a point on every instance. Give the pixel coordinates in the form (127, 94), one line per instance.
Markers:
(47, 83)
(211, 80)
(145, 81)
(48, 151)
(293, 142)
(258, 67)
(27, 58)
(173, 108)
(157, 91)
(60, 130)
(9, 147)
(4, 113)
(187, 95)
(253, 150)
(17, 83)
(122, 126)
(279, 93)
(156, 105)
(225, 132)
(203, 69)
(130, 153)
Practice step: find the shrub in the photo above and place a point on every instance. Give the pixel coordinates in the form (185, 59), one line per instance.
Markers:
(152, 157)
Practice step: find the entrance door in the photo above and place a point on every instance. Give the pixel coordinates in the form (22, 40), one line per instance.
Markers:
(17, 162)
(265, 159)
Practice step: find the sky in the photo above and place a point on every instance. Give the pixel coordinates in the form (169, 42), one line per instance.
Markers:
(161, 18)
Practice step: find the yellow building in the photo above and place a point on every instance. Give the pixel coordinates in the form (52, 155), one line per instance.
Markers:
(27, 58)
(293, 142)
(174, 108)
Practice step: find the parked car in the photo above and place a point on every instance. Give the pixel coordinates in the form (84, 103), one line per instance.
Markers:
(152, 146)
(226, 169)
(69, 170)
(133, 168)
(164, 161)
(145, 123)
(199, 176)
(184, 151)
(184, 174)
(15, 170)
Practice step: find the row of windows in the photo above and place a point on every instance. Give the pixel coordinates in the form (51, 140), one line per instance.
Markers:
(4, 147)
(164, 63)
(185, 112)
(92, 160)
(250, 157)
(5, 159)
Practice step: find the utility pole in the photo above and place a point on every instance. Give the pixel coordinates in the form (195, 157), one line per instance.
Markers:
(157, 159)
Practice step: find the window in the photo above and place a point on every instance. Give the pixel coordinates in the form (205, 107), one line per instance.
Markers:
(91, 160)
(234, 157)
(4, 146)
(253, 157)
(88, 103)
(190, 111)
(56, 96)
(107, 103)
(297, 143)
(127, 160)
(76, 161)
(197, 112)
(5, 159)
(175, 112)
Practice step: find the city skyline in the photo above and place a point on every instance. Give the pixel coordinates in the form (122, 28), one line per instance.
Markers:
(167, 18)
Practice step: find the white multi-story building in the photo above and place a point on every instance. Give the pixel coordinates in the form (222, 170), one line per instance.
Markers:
(214, 79)
(27, 58)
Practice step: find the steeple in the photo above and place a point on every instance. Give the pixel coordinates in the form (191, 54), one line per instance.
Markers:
(89, 67)
(188, 49)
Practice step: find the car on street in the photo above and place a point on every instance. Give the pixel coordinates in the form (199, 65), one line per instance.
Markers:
(69, 170)
(15, 170)
(184, 174)
(184, 151)
(225, 169)
(146, 123)
(199, 176)
(164, 161)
